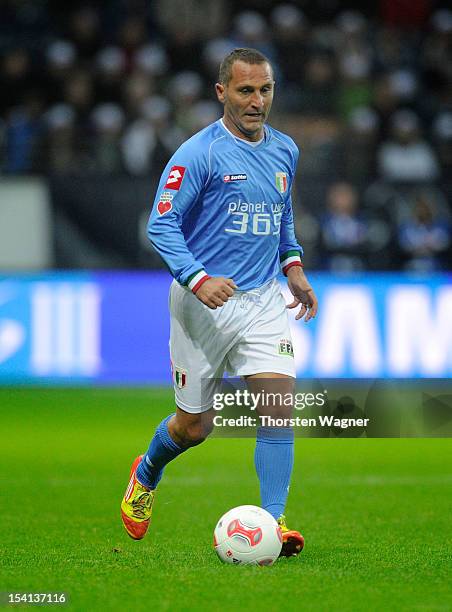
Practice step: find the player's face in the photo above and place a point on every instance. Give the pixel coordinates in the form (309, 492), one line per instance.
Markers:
(247, 99)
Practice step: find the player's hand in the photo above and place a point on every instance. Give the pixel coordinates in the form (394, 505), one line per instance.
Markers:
(216, 291)
(302, 293)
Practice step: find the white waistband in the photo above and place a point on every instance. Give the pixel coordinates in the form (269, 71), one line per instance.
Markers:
(258, 291)
(237, 293)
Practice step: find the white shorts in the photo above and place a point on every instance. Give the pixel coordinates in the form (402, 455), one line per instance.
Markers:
(248, 335)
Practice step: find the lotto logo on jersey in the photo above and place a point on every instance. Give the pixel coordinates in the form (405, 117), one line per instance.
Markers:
(281, 181)
(228, 178)
(175, 177)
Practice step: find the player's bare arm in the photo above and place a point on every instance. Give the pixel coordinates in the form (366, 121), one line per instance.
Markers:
(216, 291)
(302, 293)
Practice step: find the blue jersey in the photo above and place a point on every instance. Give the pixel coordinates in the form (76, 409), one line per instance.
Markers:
(223, 208)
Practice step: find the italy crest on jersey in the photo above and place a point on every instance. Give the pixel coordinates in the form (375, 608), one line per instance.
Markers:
(281, 181)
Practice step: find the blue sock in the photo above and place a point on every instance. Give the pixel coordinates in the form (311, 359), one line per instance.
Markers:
(161, 451)
(273, 459)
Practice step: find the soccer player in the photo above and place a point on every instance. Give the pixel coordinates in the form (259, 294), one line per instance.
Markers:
(222, 221)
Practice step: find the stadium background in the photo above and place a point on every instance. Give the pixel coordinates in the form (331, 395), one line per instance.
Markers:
(95, 98)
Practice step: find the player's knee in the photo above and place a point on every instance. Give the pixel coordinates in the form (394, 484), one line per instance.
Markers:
(276, 411)
(281, 412)
(193, 432)
(192, 435)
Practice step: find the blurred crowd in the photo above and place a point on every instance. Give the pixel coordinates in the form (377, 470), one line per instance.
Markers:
(115, 87)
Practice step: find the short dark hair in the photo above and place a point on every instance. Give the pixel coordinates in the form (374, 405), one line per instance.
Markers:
(249, 56)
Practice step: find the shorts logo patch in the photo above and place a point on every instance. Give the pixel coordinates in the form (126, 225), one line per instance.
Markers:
(175, 177)
(164, 205)
(180, 377)
(228, 178)
(281, 181)
(285, 347)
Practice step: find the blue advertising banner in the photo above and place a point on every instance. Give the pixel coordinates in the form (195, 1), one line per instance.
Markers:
(113, 328)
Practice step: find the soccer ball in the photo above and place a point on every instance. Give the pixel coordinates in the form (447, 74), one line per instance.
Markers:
(247, 535)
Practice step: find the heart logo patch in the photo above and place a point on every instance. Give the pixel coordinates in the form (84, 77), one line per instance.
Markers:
(164, 207)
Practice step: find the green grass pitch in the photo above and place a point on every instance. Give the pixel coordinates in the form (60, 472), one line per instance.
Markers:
(376, 514)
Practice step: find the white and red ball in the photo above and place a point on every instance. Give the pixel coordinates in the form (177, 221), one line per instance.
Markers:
(247, 535)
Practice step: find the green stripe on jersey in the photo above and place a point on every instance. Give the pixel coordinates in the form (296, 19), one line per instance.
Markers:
(192, 276)
(288, 254)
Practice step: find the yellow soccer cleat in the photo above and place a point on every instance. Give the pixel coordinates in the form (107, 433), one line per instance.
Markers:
(136, 506)
(293, 541)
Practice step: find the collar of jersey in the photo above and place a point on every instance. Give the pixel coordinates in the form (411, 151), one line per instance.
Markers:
(240, 141)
